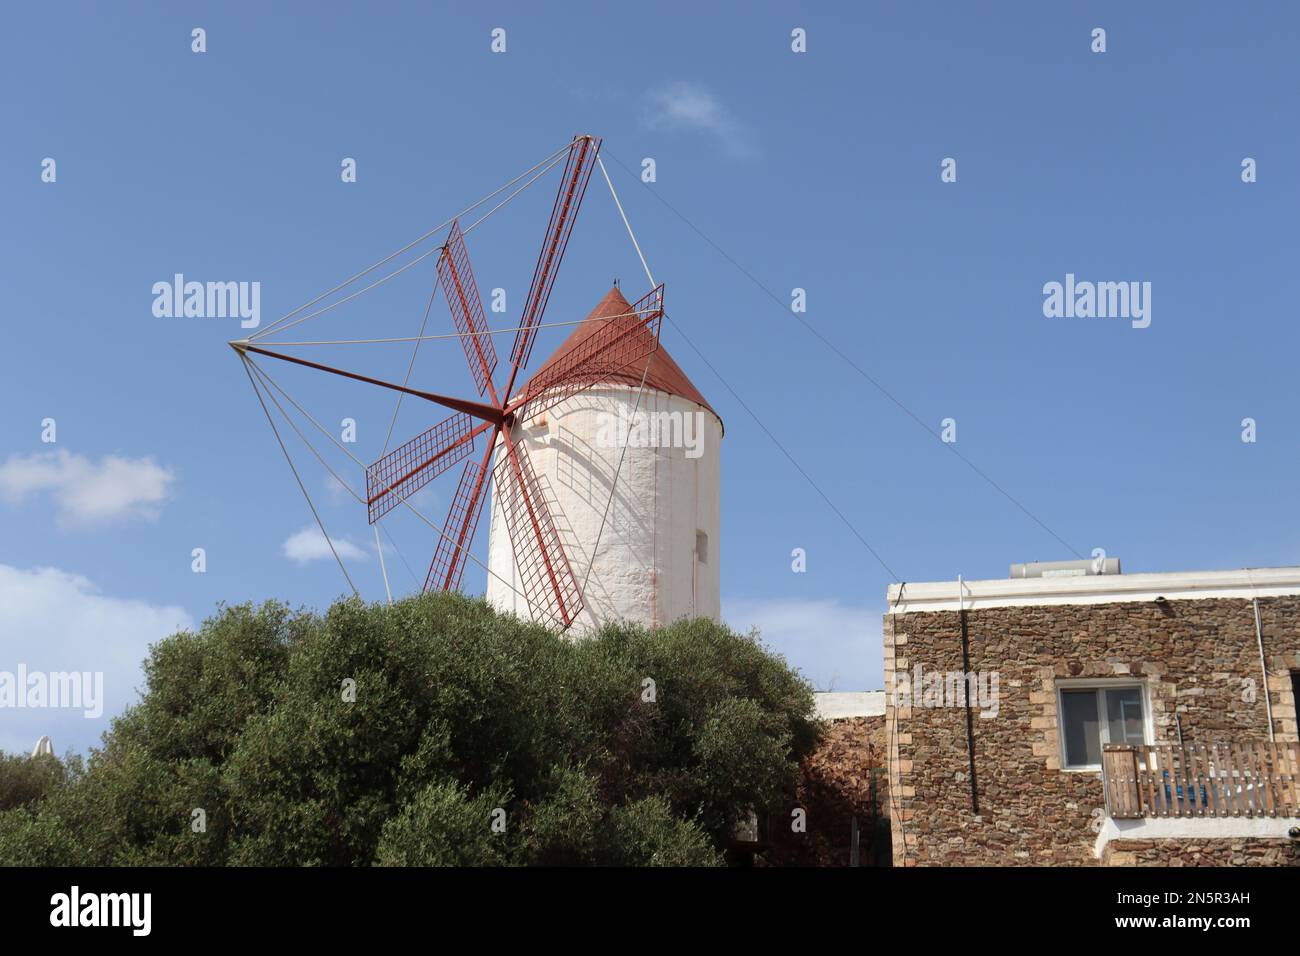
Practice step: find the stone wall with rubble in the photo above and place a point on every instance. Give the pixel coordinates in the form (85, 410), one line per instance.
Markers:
(843, 779)
(1229, 852)
(1199, 659)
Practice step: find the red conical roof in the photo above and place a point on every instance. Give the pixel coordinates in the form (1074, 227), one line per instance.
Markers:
(664, 375)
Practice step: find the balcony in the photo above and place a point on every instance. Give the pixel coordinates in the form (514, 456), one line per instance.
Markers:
(1251, 779)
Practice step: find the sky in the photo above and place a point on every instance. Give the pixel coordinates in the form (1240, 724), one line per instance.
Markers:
(775, 170)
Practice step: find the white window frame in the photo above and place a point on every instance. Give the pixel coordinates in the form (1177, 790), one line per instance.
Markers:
(1100, 684)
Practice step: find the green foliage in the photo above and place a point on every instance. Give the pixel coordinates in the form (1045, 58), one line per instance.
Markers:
(444, 826)
(646, 833)
(399, 735)
(26, 780)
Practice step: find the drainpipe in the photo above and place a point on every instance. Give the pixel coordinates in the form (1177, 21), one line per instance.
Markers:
(1259, 637)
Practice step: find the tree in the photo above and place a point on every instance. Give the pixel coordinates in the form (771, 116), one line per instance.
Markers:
(430, 732)
(24, 781)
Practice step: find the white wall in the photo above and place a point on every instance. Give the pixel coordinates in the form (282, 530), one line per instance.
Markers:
(645, 567)
(834, 705)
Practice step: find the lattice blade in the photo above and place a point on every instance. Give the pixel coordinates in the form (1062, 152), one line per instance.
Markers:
(407, 469)
(573, 186)
(449, 558)
(621, 347)
(548, 581)
(458, 285)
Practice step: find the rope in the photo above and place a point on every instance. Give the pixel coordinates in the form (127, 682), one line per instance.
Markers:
(397, 407)
(798, 467)
(413, 243)
(613, 486)
(506, 201)
(321, 428)
(334, 305)
(409, 368)
(457, 335)
(401, 498)
(301, 486)
(391, 541)
(636, 245)
(852, 364)
(379, 547)
(397, 272)
(310, 446)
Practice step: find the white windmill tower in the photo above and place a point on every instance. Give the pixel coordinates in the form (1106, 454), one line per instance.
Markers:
(630, 467)
(603, 465)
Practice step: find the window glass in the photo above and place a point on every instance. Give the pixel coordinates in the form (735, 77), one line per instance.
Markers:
(1082, 727)
(1124, 715)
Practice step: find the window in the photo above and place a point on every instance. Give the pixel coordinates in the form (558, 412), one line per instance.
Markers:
(1097, 714)
(699, 559)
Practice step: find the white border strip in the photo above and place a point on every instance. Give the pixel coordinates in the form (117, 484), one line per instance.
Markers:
(1199, 828)
(1245, 584)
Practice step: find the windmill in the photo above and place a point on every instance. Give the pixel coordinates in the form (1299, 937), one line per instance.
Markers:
(618, 346)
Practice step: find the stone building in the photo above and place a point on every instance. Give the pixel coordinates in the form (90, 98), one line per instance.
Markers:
(1007, 697)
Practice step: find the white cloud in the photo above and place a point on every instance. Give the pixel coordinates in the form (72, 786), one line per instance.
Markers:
(86, 492)
(335, 491)
(689, 107)
(836, 646)
(54, 621)
(310, 545)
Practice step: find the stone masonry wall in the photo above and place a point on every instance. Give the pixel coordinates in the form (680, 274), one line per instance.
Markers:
(1244, 852)
(1197, 658)
(842, 779)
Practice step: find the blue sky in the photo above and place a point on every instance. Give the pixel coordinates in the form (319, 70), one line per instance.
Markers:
(818, 170)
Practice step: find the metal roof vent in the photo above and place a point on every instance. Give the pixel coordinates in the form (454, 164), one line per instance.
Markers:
(1066, 569)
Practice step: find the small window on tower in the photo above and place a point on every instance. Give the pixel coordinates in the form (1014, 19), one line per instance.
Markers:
(702, 547)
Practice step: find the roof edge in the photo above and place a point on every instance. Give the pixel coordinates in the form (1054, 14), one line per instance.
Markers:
(1242, 584)
(624, 387)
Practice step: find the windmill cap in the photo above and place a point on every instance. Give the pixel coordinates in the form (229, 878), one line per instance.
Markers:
(664, 375)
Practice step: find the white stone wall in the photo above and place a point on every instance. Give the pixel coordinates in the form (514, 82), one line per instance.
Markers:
(646, 567)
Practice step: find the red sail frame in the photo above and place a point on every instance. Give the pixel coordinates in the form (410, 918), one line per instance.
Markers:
(461, 291)
(573, 187)
(448, 565)
(621, 347)
(541, 563)
(550, 586)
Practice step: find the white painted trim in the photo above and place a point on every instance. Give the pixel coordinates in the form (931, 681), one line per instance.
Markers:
(918, 597)
(833, 705)
(1199, 828)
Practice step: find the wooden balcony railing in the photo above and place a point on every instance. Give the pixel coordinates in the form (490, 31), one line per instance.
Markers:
(1252, 779)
